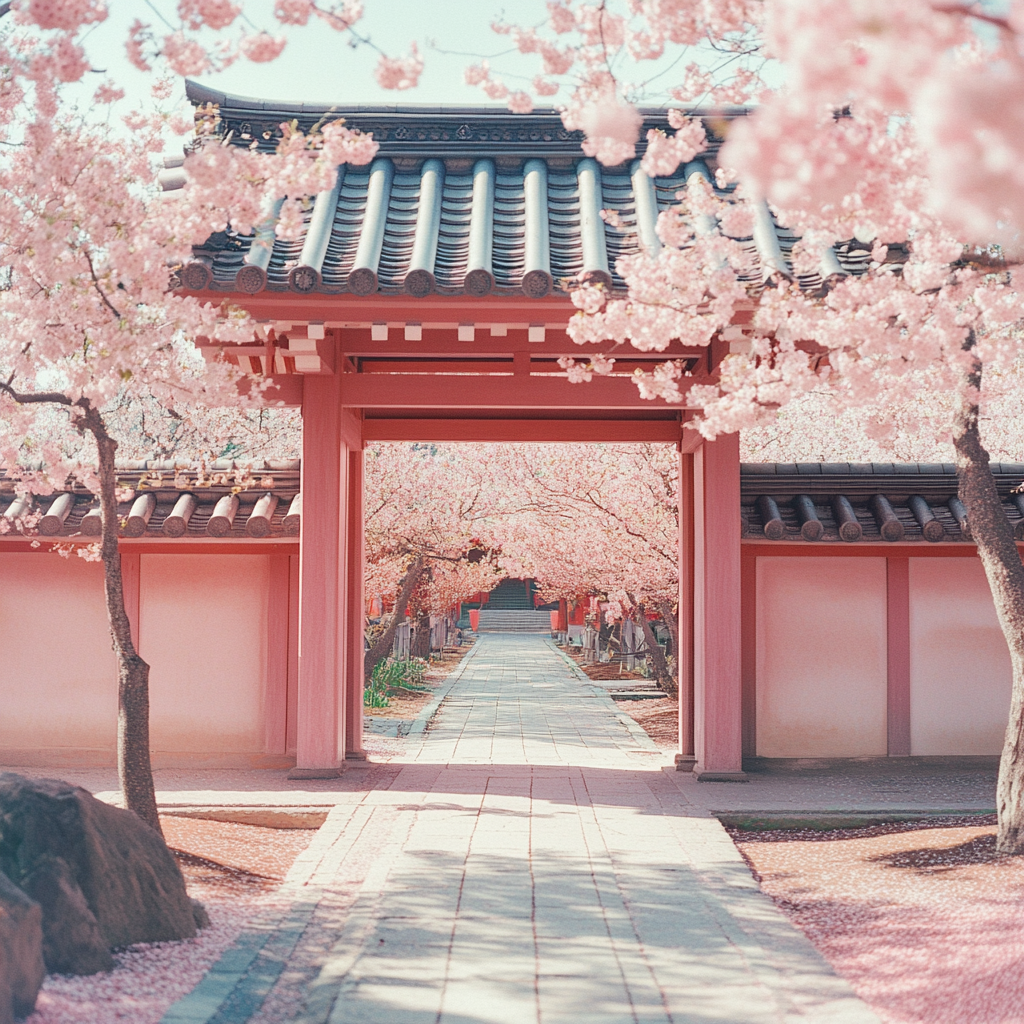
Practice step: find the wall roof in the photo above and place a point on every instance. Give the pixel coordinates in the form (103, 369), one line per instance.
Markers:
(869, 502)
(157, 508)
(780, 502)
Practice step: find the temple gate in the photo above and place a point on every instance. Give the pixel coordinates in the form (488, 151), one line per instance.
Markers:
(427, 301)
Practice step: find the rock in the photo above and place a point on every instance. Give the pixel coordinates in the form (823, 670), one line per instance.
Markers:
(200, 916)
(73, 942)
(21, 952)
(103, 877)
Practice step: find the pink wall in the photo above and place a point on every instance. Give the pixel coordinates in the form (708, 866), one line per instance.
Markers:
(203, 629)
(58, 687)
(959, 665)
(821, 657)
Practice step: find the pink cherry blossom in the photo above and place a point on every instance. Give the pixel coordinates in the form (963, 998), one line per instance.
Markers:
(108, 93)
(185, 56)
(215, 14)
(520, 102)
(262, 47)
(293, 12)
(64, 15)
(399, 72)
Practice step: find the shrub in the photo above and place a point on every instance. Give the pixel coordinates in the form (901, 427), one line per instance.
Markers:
(392, 675)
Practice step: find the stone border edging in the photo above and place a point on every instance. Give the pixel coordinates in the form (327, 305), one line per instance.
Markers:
(420, 722)
(824, 821)
(284, 817)
(236, 985)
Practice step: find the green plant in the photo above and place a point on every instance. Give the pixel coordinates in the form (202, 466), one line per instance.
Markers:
(392, 676)
(375, 693)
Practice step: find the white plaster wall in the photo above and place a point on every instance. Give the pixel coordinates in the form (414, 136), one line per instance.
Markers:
(203, 626)
(959, 666)
(821, 657)
(58, 680)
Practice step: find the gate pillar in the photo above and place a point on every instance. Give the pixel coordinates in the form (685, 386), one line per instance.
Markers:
(684, 629)
(323, 554)
(356, 611)
(717, 663)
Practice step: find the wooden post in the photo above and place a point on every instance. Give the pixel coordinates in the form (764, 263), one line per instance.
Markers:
(898, 655)
(275, 703)
(717, 682)
(320, 711)
(291, 732)
(684, 656)
(355, 602)
(749, 630)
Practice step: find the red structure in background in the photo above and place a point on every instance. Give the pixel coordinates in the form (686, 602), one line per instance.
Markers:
(403, 342)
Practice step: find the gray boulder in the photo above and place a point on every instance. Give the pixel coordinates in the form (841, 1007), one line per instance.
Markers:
(21, 952)
(103, 878)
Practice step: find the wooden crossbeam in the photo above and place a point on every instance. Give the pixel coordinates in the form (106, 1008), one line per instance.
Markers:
(410, 391)
(513, 430)
(358, 341)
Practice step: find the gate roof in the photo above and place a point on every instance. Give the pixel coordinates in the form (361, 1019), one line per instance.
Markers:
(467, 201)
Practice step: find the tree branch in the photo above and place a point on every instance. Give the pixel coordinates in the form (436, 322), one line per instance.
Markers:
(99, 289)
(39, 397)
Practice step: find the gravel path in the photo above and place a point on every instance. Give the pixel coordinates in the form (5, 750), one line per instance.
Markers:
(924, 922)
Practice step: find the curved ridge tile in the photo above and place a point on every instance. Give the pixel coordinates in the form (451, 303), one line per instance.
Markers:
(363, 278)
(592, 234)
(305, 277)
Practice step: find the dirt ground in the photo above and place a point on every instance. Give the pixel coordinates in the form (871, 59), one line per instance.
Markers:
(410, 706)
(225, 854)
(658, 718)
(600, 669)
(925, 921)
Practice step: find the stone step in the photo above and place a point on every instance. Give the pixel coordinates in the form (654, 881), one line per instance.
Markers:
(514, 621)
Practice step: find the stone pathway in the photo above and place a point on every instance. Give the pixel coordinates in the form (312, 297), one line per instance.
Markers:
(529, 863)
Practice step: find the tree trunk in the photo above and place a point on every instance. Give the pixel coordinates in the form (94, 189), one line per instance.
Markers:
(134, 769)
(656, 656)
(993, 535)
(668, 615)
(420, 647)
(382, 648)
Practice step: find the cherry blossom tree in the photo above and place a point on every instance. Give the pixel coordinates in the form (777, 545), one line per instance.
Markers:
(91, 322)
(896, 128)
(594, 519)
(443, 523)
(427, 514)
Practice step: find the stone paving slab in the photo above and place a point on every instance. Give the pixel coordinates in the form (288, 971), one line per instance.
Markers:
(527, 861)
(952, 785)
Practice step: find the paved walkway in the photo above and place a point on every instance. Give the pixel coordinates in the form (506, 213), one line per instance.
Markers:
(529, 861)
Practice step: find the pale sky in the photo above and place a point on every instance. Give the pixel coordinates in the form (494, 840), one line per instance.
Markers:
(318, 64)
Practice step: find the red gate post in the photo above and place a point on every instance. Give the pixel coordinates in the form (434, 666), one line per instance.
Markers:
(717, 676)
(322, 553)
(685, 759)
(356, 602)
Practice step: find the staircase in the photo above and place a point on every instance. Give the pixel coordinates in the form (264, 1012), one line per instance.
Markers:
(510, 609)
(512, 620)
(510, 595)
